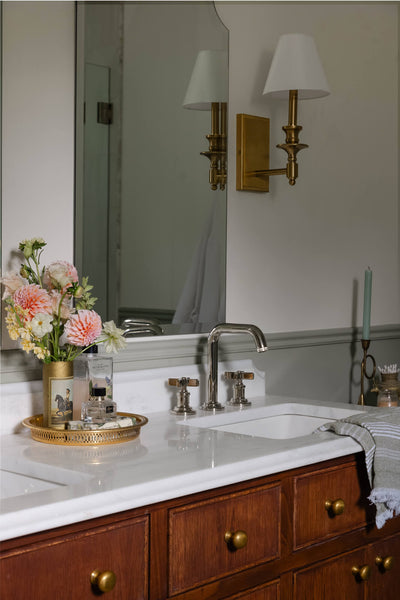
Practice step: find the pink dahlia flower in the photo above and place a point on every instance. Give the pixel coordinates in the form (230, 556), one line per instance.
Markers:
(65, 310)
(83, 328)
(33, 299)
(60, 275)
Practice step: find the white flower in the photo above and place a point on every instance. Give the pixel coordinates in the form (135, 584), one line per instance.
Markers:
(41, 324)
(60, 275)
(112, 337)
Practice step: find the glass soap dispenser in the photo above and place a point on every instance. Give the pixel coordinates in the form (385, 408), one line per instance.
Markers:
(98, 409)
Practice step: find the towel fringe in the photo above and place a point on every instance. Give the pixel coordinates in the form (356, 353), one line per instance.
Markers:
(389, 499)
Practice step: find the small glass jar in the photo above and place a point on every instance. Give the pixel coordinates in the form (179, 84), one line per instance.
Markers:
(91, 370)
(387, 397)
(98, 409)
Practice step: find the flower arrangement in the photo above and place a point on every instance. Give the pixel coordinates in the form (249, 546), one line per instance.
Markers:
(51, 312)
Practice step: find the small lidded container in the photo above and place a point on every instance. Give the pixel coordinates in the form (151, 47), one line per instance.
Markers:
(388, 387)
(98, 409)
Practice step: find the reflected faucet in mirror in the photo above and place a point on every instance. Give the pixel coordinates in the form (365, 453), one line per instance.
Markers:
(140, 327)
(212, 356)
(208, 89)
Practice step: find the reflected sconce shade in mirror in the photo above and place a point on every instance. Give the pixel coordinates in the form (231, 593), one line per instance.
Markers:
(296, 73)
(208, 90)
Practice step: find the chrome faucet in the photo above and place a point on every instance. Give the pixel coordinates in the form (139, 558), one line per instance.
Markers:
(212, 356)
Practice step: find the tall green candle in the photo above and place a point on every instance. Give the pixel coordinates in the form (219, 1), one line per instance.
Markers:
(367, 303)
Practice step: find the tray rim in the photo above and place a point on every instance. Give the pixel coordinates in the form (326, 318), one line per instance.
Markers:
(70, 437)
(143, 421)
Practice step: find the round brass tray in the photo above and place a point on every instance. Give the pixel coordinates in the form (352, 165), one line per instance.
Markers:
(81, 437)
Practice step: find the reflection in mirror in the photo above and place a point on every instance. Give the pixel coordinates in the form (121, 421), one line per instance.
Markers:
(150, 233)
(1, 160)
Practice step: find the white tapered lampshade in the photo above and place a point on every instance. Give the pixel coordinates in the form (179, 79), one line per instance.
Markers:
(209, 80)
(296, 66)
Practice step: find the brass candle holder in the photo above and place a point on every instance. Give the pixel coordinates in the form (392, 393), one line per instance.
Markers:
(365, 345)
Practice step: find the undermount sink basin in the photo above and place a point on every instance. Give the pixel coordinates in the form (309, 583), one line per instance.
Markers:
(276, 421)
(25, 478)
(280, 427)
(15, 484)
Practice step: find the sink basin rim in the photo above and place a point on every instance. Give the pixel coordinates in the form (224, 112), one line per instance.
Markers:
(241, 421)
(329, 411)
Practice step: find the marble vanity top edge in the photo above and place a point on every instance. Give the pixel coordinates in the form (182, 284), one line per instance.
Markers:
(152, 469)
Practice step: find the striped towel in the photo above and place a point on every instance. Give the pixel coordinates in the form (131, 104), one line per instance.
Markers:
(378, 432)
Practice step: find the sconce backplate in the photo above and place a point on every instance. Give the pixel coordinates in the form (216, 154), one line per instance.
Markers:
(252, 153)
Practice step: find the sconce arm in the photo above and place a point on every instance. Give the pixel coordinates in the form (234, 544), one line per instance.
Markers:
(267, 172)
(253, 149)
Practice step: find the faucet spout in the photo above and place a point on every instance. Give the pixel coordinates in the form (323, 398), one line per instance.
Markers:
(212, 355)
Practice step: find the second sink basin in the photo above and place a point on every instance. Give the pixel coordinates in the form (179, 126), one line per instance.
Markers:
(15, 484)
(276, 421)
(24, 477)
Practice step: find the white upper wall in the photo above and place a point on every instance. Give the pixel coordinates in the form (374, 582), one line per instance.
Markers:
(38, 111)
(296, 254)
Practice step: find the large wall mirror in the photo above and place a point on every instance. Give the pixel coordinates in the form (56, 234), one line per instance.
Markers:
(149, 231)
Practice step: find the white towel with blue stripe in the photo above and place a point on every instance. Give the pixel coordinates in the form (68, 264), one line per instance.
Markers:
(378, 432)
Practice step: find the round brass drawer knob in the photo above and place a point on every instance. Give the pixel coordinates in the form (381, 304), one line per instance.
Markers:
(361, 573)
(384, 563)
(236, 539)
(335, 507)
(104, 581)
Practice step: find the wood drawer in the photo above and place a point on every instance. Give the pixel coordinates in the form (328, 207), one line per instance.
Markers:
(198, 551)
(331, 580)
(270, 591)
(384, 584)
(312, 521)
(61, 567)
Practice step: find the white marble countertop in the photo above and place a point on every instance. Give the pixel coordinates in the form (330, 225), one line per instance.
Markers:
(168, 460)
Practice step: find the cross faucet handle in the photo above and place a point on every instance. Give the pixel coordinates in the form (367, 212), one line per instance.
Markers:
(183, 382)
(238, 375)
(182, 406)
(239, 387)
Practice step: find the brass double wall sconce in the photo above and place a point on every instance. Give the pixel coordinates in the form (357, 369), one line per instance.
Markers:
(296, 73)
(208, 90)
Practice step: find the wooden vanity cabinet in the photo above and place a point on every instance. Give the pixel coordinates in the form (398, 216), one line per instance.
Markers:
(384, 560)
(330, 502)
(60, 567)
(270, 591)
(274, 538)
(330, 580)
(337, 577)
(216, 537)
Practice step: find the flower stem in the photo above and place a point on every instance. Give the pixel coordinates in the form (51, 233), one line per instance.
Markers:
(36, 259)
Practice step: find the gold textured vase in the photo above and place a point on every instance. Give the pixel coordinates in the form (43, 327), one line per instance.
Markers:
(57, 393)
